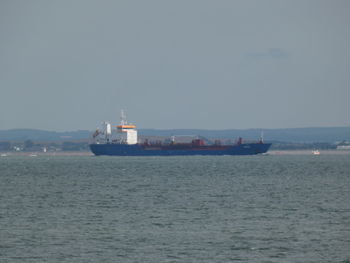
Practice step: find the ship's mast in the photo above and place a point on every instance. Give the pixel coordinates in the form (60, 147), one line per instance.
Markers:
(261, 137)
(122, 118)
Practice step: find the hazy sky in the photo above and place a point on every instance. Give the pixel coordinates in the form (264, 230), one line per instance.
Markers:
(68, 65)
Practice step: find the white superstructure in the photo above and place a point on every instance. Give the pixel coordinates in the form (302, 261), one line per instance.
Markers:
(127, 133)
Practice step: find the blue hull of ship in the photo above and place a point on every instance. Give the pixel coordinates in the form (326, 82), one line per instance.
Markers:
(138, 150)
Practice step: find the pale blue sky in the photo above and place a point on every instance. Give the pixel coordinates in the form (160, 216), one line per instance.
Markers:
(68, 65)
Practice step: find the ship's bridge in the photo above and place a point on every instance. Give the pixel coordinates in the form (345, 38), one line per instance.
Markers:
(127, 132)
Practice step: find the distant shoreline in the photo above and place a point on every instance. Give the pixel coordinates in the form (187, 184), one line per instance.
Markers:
(87, 153)
(308, 152)
(32, 154)
(291, 135)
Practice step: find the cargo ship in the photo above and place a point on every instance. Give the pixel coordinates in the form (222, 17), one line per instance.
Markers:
(124, 142)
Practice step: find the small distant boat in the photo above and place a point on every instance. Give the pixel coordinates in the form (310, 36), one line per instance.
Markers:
(33, 155)
(316, 152)
(3, 155)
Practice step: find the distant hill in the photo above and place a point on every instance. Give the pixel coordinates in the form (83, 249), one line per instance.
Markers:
(297, 135)
(41, 135)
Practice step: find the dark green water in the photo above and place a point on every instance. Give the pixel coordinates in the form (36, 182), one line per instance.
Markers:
(175, 209)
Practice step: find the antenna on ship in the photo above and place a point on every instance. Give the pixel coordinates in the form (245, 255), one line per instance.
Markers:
(122, 118)
(261, 137)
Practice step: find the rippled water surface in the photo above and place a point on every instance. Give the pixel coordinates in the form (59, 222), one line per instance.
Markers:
(175, 209)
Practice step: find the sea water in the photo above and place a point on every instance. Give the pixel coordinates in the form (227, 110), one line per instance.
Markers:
(175, 209)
